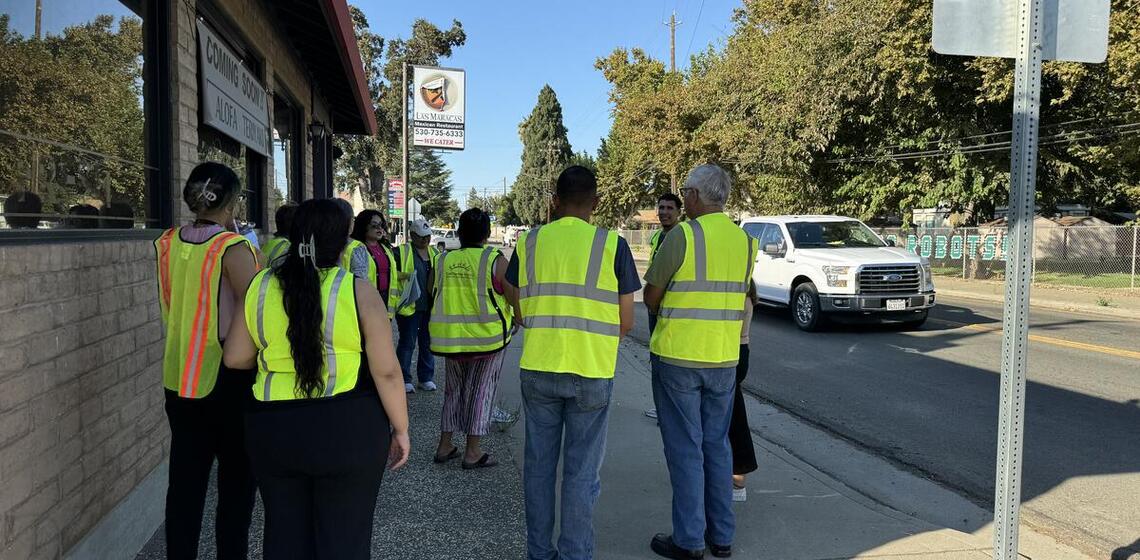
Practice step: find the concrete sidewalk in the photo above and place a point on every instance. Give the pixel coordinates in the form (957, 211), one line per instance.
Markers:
(795, 511)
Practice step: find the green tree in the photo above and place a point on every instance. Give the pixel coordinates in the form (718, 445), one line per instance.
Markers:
(81, 87)
(546, 152)
(367, 160)
(431, 186)
(505, 214)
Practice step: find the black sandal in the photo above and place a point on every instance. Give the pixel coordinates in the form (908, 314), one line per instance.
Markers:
(445, 458)
(484, 462)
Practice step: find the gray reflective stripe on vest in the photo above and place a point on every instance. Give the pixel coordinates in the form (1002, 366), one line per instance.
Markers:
(700, 314)
(330, 324)
(440, 315)
(573, 323)
(588, 290)
(700, 259)
(261, 289)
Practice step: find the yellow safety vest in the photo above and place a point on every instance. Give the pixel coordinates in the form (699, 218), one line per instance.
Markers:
(340, 329)
(274, 249)
(467, 314)
(374, 272)
(569, 299)
(189, 279)
(408, 266)
(703, 309)
(655, 243)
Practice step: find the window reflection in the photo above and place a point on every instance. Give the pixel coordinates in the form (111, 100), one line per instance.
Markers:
(72, 149)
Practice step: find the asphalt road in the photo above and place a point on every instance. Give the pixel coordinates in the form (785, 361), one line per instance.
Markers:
(929, 400)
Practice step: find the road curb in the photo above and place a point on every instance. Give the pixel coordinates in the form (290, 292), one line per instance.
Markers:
(1108, 311)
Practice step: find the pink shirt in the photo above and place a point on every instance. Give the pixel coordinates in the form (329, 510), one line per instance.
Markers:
(382, 265)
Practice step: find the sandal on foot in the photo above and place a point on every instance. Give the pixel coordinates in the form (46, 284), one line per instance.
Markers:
(483, 462)
(445, 458)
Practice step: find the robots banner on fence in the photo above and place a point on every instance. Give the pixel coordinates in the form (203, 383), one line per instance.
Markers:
(439, 110)
(985, 246)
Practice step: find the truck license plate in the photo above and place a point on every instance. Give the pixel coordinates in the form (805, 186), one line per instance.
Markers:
(896, 305)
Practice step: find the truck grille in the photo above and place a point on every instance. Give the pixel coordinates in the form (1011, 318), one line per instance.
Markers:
(889, 279)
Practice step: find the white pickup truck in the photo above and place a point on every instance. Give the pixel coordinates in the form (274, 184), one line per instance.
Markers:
(821, 265)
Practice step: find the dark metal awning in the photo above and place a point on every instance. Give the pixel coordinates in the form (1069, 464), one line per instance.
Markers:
(321, 34)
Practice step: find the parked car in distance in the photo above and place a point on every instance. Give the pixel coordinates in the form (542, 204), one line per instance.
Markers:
(511, 235)
(825, 265)
(445, 239)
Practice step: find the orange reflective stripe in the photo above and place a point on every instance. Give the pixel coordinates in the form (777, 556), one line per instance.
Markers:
(192, 370)
(164, 265)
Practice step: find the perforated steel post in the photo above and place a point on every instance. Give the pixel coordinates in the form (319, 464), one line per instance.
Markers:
(1019, 274)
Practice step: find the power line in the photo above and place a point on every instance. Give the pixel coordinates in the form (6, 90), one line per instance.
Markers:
(695, 27)
(1050, 140)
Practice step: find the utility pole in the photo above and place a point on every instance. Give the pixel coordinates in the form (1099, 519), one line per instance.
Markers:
(39, 17)
(672, 23)
(404, 160)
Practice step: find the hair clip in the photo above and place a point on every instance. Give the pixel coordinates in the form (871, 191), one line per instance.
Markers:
(308, 251)
(209, 196)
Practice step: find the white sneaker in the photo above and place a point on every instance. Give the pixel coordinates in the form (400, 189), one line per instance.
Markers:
(652, 413)
(429, 386)
(409, 388)
(739, 494)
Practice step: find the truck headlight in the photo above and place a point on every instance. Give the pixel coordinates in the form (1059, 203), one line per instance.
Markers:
(836, 275)
(927, 277)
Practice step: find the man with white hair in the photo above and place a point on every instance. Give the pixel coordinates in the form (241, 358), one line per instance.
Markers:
(697, 286)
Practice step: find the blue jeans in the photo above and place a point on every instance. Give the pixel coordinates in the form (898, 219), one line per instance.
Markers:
(413, 329)
(554, 402)
(694, 409)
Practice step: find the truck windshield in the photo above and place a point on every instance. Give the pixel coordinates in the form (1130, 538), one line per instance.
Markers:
(833, 235)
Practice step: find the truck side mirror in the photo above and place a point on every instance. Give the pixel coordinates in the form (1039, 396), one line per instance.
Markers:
(773, 250)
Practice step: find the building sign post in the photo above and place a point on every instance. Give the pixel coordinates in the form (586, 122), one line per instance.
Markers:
(1028, 31)
(233, 100)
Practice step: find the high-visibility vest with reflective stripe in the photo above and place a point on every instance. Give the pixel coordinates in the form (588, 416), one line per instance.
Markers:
(569, 299)
(408, 266)
(703, 309)
(373, 278)
(340, 331)
(275, 249)
(189, 279)
(467, 314)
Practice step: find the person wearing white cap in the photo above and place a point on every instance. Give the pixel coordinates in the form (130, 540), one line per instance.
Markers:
(414, 264)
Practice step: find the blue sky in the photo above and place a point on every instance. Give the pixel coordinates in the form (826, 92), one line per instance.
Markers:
(515, 47)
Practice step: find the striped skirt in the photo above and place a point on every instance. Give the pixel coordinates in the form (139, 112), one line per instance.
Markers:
(469, 393)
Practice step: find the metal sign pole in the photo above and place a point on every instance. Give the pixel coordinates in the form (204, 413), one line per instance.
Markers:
(1019, 273)
(404, 158)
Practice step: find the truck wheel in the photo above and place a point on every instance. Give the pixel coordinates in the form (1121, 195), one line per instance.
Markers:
(805, 307)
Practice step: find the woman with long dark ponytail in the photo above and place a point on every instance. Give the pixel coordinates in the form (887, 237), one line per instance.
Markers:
(322, 346)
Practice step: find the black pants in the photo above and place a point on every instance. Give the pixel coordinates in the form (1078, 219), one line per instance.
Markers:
(202, 430)
(739, 435)
(318, 467)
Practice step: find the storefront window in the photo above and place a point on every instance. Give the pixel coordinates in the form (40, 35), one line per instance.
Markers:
(72, 123)
(286, 154)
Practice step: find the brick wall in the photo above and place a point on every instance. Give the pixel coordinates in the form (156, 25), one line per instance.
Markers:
(81, 402)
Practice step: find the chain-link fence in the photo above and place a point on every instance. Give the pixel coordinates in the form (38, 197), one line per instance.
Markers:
(1100, 257)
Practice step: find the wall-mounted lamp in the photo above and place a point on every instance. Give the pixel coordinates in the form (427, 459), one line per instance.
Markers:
(317, 131)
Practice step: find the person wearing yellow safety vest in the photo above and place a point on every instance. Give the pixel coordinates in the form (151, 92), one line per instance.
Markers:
(203, 271)
(328, 411)
(697, 286)
(574, 284)
(277, 247)
(415, 264)
(471, 323)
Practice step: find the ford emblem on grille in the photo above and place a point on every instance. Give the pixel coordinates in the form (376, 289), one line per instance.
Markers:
(893, 277)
